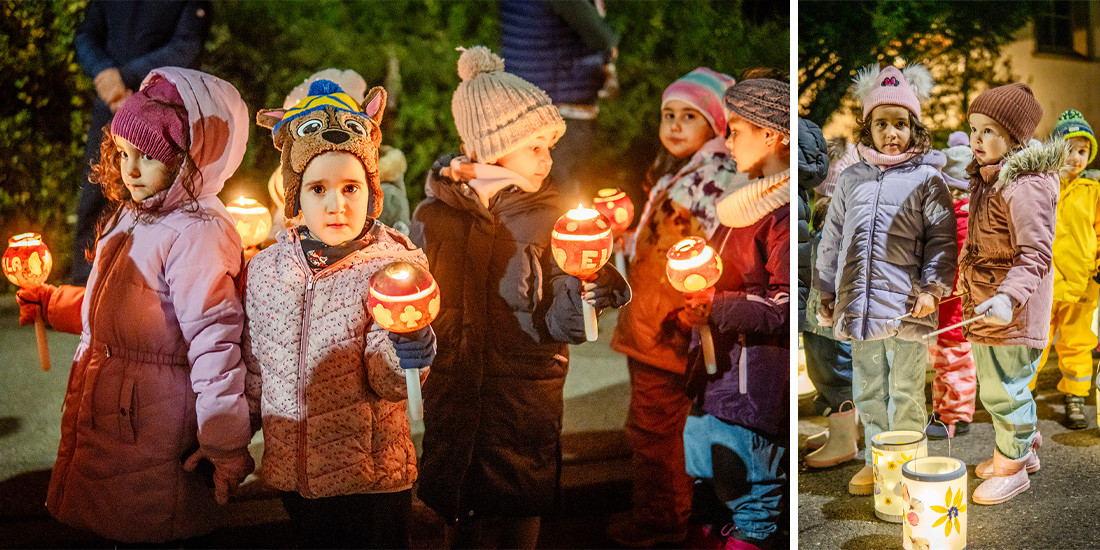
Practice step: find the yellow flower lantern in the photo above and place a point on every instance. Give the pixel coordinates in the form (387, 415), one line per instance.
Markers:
(404, 297)
(890, 451)
(616, 206)
(581, 243)
(693, 266)
(252, 219)
(27, 263)
(934, 495)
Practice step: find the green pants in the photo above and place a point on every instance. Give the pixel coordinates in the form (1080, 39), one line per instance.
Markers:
(888, 386)
(1003, 376)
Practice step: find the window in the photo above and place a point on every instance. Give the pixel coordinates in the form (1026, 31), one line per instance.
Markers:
(1062, 28)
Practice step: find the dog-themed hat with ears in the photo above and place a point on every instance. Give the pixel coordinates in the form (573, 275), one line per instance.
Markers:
(327, 120)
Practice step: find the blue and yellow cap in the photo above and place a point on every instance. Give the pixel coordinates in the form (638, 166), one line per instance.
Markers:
(322, 93)
(1073, 124)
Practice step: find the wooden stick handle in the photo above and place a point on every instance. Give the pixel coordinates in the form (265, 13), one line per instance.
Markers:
(591, 331)
(954, 326)
(708, 349)
(416, 400)
(43, 344)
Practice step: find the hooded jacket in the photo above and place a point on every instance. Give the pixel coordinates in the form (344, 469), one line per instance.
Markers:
(813, 168)
(158, 372)
(1076, 240)
(889, 235)
(1008, 250)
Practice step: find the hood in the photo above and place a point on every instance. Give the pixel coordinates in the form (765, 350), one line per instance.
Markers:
(1048, 156)
(218, 121)
(392, 166)
(935, 159)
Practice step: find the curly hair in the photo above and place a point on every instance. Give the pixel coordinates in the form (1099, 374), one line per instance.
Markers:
(920, 139)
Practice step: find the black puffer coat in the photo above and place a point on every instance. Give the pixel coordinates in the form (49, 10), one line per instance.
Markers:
(813, 167)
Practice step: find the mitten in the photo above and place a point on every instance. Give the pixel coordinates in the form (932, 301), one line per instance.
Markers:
(997, 310)
(415, 350)
(609, 289)
(32, 301)
(228, 472)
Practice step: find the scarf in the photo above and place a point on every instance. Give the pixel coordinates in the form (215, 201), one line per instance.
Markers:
(749, 201)
(486, 179)
(320, 255)
(882, 161)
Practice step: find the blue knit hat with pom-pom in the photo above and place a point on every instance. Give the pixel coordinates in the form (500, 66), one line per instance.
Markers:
(1072, 124)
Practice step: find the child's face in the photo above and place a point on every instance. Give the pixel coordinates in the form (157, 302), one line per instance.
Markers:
(989, 140)
(532, 160)
(684, 130)
(749, 145)
(890, 129)
(144, 176)
(335, 197)
(1078, 157)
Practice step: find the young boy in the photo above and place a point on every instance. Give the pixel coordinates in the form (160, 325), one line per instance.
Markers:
(1076, 258)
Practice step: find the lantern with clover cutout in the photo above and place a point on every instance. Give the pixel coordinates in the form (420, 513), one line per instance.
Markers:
(693, 266)
(582, 243)
(27, 263)
(252, 219)
(889, 452)
(404, 297)
(934, 499)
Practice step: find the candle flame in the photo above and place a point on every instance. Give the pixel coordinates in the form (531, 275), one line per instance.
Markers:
(400, 275)
(581, 213)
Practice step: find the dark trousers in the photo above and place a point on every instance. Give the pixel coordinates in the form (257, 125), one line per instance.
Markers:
(92, 203)
(829, 365)
(378, 520)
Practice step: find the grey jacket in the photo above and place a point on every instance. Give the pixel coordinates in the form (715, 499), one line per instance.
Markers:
(889, 235)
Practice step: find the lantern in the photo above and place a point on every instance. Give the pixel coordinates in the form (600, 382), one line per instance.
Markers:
(582, 243)
(617, 208)
(27, 263)
(404, 297)
(890, 451)
(934, 496)
(252, 219)
(693, 266)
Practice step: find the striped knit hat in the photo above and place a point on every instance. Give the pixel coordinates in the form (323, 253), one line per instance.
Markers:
(702, 89)
(762, 101)
(1072, 124)
(497, 112)
(322, 93)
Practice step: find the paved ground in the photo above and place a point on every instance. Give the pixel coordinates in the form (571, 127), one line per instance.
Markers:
(1058, 511)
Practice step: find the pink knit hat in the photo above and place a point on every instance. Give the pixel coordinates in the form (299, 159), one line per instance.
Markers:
(155, 128)
(892, 86)
(702, 89)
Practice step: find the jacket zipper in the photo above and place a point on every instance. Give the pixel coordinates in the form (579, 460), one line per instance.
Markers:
(867, 261)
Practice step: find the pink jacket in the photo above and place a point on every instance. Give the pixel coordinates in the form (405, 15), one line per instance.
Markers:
(323, 377)
(158, 371)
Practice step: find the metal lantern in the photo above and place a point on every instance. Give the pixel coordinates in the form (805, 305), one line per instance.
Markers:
(890, 451)
(693, 266)
(582, 243)
(616, 206)
(404, 297)
(27, 263)
(934, 503)
(252, 219)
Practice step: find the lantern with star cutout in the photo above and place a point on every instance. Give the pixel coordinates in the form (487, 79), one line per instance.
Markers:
(582, 243)
(27, 263)
(693, 266)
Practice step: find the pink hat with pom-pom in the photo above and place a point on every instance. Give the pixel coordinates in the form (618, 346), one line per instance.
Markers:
(893, 86)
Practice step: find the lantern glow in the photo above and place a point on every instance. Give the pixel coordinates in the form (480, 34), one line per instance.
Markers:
(890, 451)
(582, 243)
(616, 206)
(693, 266)
(27, 263)
(252, 219)
(934, 495)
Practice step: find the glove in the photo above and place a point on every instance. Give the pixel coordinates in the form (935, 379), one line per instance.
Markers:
(228, 472)
(32, 301)
(696, 309)
(415, 350)
(997, 310)
(609, 289)
(926, 303)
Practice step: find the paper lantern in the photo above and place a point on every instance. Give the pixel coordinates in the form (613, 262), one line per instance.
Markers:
(934, 500)
(693, 266)
(890, 451)
(581, 243)
(27, 263)
(404, 297)
(616, 207)
(252, 219)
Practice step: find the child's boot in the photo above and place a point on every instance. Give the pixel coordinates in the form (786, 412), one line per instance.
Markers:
(1075, 412)
(984, 470)
(1009, 479)
(863, 483)
(817, 441)
(841, 444)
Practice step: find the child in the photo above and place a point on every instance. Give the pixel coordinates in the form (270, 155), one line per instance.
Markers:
(955, 385)
(1076, 259)
(738, 432)
(1005, 272)
(157, 384)
(325, 380)
(887, 254)
(694, 168)
(493, 406)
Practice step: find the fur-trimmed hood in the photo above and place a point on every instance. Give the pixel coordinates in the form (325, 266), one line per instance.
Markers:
(1048, 156)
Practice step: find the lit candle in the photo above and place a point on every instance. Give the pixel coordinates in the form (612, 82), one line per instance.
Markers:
(693, 266)
(252, 219)
(404, 297)
(581, 243)
(27, 263)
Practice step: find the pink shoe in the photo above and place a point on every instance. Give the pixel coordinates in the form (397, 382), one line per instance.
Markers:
(1009, 479)
(984, 470)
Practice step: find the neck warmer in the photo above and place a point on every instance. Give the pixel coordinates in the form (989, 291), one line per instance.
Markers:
(487, 179)
(320, 255)
(882, 161)
(749, 201)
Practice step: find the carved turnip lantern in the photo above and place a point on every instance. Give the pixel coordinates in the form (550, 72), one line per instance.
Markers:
(252, 219)
(582, 243)
(27, 263)
(616, 206)
(694, 266)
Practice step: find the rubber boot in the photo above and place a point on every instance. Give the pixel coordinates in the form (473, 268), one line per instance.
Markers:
(985, 469)
(817, 441)
(863, 483)
(841, 445)
(1009, 479)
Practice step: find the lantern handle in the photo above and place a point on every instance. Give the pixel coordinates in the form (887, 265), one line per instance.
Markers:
(950, 431)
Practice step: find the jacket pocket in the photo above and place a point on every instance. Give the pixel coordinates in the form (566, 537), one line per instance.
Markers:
(127, 424)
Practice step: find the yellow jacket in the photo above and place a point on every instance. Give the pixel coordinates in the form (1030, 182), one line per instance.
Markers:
(1076, 239)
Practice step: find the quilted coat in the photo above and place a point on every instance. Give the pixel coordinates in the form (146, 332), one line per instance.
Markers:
(322, 376)
(889, 235)
(158, 372)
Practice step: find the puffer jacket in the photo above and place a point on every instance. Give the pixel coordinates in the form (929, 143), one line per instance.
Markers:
(950, 313)
(889, 235)
(1076, 240)
(1008, 250)
(813, 167)
(158, 372)
(322, 376)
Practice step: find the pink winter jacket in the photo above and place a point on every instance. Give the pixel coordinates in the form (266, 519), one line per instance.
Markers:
(323, 377)
(158, 371)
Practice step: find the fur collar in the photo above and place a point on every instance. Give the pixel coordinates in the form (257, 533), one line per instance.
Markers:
(1048, 156)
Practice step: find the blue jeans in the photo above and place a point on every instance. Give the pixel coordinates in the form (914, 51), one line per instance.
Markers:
(829, 365)
(746, 468)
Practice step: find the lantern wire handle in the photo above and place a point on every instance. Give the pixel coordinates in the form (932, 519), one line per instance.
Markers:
(950, 432)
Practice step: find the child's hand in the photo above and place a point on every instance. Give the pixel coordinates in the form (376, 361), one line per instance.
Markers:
(696, 308)
(825, 311)
(415, 350)
(609, 289)
(997, 310)
(228, 472)
(32, 301)
(926, 303)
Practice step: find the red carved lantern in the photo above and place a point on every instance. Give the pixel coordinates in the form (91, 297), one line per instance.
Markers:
(616, 206)
(694, 266)
(582, 243)
(27, 263)
(252, 219)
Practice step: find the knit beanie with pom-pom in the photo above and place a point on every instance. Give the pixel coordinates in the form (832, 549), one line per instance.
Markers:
(906, 87)
(497, 112)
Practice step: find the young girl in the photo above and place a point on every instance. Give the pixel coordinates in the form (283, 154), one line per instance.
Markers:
(493, 405)
(887, 254)
(1006, 271)
(324, 377)
(694, 168)
(157, 384)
